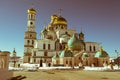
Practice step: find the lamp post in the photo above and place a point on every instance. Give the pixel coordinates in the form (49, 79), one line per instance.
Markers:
(117, 57)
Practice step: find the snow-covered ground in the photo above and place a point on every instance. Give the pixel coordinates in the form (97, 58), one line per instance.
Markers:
(101, 68)
(28, 66)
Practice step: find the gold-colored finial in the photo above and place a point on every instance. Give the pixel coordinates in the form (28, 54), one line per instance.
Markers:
(101, 48)
(66, 47)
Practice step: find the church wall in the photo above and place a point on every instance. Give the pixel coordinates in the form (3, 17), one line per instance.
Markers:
(4, 62)
(91, 46)
(46, 42)
(59, 33)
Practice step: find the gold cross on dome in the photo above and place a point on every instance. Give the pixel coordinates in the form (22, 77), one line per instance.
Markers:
(60, 11)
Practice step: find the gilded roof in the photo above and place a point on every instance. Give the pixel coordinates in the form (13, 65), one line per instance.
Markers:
(60, 20)
(32, 11)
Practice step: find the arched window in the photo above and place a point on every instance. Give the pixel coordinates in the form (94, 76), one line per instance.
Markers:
(28, 41)
(28, 59)
(31, 23)
(66, 62)
(30, 36)
(45, 53)
(90, 48)
(34, 53)
(71, 63)
(61, 27)
(34, 60)
(48, 46)
(28, 50)
(31, 16)
(32, 41)
(94, 48)
(44, 46)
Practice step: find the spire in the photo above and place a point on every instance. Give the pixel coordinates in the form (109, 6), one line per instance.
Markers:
(14, 51)
(32, 4)
(81, 29)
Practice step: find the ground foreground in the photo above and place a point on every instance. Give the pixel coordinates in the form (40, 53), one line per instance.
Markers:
(69, 75)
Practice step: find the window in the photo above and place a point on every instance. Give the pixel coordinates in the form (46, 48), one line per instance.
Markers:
(66, 62)
(31, 23)
(61, 27)
(31, 16)
(45, 53)
(30, 36)
(71, 63)
(94, 48)
(34, 53)
(44, 46)
(32, 41)
(48, 46)
(34, 60)
(90, 48)
(56, 27)
(28, 42)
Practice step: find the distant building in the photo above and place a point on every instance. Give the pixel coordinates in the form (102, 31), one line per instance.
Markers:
(14, 60)
(4, 64)
(58, 44)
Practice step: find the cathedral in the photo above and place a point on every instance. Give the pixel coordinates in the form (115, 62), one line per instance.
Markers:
(59, 45)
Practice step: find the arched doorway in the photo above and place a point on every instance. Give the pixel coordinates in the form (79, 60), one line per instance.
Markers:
(41, 61)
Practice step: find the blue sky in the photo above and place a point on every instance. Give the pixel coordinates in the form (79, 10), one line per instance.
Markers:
(99, 19)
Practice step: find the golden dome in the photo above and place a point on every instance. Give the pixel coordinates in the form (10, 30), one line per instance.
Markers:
(54, 16)
(60, 20)
(31, 11)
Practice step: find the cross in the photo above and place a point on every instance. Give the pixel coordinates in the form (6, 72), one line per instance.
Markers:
(32, 4)
(60, 11)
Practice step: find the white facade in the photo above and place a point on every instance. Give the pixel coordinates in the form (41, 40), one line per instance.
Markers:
(54, 38)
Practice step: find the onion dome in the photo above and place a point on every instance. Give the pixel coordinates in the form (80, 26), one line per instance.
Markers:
(81, 34)
(60, 20)
(84, 56)
(66, 53)
(75, 44)
(54, 16)
(101, 53)
(31, 11)
(14, 51)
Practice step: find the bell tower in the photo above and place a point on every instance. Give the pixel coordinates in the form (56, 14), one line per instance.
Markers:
(30, 35)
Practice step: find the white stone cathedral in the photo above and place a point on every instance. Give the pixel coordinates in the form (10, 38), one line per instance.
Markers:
(57, 45)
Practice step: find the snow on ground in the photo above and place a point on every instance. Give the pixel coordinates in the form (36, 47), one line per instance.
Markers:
(27, 66)
(101, 68)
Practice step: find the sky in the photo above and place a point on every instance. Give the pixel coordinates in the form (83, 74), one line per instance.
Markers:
(99, 19)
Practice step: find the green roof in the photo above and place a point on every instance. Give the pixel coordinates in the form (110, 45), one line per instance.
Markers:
(84, 56)
(75, 43)
(66, 53)
(101, 53)
(56, 56)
